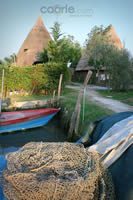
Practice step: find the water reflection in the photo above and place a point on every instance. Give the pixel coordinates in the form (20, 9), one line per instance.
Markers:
(52, 132)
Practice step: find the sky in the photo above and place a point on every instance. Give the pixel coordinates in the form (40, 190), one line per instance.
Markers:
(77, 18)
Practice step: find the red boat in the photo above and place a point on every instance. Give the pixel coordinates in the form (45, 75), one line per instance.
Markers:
(20, 120)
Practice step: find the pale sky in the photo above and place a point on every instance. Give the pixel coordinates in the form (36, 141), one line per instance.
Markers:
(78, 17)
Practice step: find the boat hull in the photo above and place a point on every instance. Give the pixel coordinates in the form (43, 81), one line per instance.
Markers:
(8, 118)
(38, 122)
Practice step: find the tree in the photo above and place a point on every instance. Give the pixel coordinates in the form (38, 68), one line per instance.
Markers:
(121, 70)
(43, 57)
(61, 48)
(116, 63)
(97, 47)
(56, 32)
(10, 60)
(1, 62)
(72, 50)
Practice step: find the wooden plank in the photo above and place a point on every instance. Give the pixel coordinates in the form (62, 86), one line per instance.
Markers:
(59, 88)
(2, 88)
(74, 120)
(77, 121)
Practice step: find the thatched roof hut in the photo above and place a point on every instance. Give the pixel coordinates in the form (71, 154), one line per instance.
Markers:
(113, 37)
(82, 65)
(36, 40)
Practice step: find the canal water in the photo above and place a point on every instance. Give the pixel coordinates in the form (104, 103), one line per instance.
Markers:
(52, 132)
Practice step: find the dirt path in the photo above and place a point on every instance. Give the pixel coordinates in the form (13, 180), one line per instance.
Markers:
(114, 105)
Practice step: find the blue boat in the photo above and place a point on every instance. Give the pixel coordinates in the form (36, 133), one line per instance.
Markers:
(22, 120)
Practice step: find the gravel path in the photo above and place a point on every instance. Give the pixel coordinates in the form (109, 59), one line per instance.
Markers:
(114, 105)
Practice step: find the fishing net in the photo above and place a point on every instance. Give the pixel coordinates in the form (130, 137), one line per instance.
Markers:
(56, 171)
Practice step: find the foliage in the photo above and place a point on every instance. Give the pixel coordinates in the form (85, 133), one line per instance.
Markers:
(8, 60)
(34, 79)
(98, 47)
(56, 32)
(1, 62)
(43, 57)
(73, 51)
(61, 48)
(121, 70)
(104, 55)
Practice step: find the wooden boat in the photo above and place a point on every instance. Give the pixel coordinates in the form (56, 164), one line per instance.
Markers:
(21, 120)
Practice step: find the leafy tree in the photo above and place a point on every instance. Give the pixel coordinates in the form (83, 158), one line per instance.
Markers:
(56, 32)
(43, 57)
(97, 47)
(104, 55)
(72, 50)
(121, 70)
(10, 60)
(62, 48)
(1, 62)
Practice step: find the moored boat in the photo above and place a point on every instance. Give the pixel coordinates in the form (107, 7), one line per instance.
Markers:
(21, 120)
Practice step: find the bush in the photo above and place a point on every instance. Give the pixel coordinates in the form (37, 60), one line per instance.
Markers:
(120, 70)
(34, 79)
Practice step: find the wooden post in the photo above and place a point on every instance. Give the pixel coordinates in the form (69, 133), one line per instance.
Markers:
(84, 103)
(88, 76)
(2, 87)
(59, 88)
(53, 100)
(77, 121)
(74, 115)
(74, 119)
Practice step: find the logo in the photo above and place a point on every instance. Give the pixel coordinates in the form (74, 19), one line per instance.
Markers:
(71, 10)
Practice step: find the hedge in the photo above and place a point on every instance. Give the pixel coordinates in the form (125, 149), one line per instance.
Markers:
(34, 79)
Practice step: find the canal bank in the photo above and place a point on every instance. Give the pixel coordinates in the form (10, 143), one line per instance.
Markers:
(92, 111)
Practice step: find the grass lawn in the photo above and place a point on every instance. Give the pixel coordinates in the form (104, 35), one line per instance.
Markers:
(19, 98)
(68, 102)
(125, 97)
(92, 111)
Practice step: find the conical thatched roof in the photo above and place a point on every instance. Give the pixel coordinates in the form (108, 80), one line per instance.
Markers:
(36, 40)
(114, 39)
(83, 63)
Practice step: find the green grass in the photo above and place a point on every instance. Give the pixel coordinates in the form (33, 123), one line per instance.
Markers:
(125, 97)
(68, 102)
(92, 111)
(68, 92)
(73, 83)
(20, 98)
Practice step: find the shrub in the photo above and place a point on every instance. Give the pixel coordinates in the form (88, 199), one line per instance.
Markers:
(34, 78)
